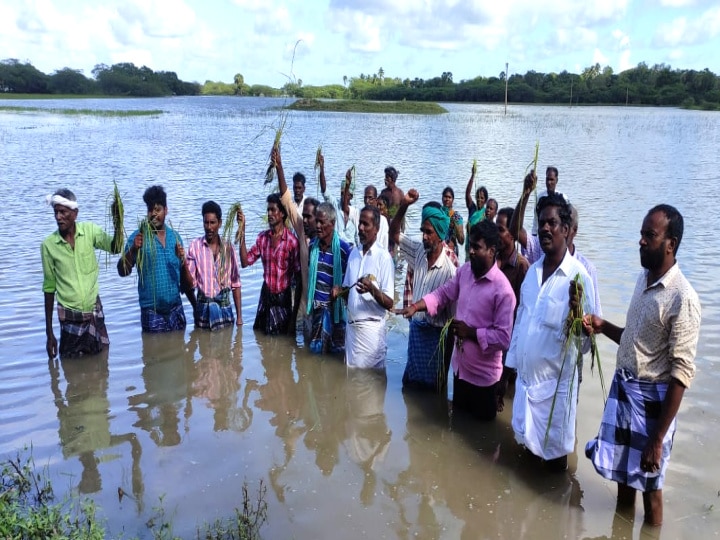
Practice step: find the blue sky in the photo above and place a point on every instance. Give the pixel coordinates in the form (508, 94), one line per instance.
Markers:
(214, 39)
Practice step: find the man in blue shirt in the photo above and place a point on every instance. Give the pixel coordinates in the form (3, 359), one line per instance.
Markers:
(158, 253)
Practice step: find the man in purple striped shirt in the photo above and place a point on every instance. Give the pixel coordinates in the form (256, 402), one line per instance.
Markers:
(484, 307)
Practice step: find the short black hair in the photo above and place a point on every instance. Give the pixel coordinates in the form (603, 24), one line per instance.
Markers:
(508, 212)
(211, 207)
(275, 198)
(562, 205)
(155, 195)
(299, 177)
(552, 168)
(486, 231)
(312, 201)
(371, 187)
(384, 198)
(449, 190)
(375, 213)
(392, 172)
(676, 224)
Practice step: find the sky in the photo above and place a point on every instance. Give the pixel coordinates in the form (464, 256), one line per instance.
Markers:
(320, 41)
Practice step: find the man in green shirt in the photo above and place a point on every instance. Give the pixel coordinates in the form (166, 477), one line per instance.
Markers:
(70, 273)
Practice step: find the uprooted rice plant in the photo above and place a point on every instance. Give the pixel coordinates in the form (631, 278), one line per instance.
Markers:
(574, 338)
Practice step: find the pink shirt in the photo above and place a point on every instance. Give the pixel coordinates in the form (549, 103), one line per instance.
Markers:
(210, 275)
(486, 304)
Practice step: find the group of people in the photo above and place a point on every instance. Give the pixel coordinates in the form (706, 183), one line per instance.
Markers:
(329, 271)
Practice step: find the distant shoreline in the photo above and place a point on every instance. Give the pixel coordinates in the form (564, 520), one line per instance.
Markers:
(364, 106)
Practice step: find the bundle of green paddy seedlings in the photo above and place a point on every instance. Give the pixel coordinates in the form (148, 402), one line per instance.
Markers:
(146, 229)
(318, 159)
(441, 351)
(117, 216)
(474, 167)
(271, 171)
(574, 337)
(230, 220)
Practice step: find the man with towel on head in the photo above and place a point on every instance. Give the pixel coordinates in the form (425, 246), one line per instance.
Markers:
(432, 264)
(70, 272)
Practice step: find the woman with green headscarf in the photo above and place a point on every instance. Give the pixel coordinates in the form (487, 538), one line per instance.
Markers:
(476, 208)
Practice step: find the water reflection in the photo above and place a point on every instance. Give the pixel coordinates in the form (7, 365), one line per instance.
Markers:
(167, 374)
(217, 376)
(84, 420)
(367, 435)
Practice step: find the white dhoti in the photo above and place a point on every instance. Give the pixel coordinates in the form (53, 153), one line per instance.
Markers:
(531, 417)
(365, 345)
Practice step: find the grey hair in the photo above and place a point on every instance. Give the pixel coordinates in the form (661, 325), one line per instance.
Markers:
(328, 209)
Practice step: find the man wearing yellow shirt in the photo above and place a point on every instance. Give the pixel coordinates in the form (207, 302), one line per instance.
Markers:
(70, 273)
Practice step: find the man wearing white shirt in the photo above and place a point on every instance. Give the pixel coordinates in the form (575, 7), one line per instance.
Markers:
(369, 276)
(545, 401)
(347, 216)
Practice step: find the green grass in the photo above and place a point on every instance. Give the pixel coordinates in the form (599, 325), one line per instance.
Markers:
(84, 112)
(10, 95)
(362, 106)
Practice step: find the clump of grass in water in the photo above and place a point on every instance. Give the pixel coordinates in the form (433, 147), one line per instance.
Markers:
(116, 208)
(441, 350)
(230, 219)
(573, 329)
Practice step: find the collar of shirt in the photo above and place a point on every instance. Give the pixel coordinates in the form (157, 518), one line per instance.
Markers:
(666, 278)
(78, 232)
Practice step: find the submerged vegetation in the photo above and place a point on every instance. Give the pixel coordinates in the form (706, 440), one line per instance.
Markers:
(362, 106)
(29, 509)
(83, 112)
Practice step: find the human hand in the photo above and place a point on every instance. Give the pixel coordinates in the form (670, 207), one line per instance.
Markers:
(241, 220)
(592, 324)
(530, 182)
(275, 158)
(411, 197)
(575, 297)
(651, 456)
(138, 242)
(321, 161)
(51, 346)
(365, 284)
(461, 330)
(407, 312)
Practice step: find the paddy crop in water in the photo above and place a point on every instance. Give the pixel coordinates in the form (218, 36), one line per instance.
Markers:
(84, 112)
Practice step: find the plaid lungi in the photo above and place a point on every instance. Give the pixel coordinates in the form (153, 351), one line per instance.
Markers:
(82, 333)
(215, 312)
(326, 336)
(631, 413)
(274, 311)
(155, 322)
(424, 368)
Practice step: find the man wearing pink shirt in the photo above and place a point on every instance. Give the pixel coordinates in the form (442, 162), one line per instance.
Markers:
(484, 306)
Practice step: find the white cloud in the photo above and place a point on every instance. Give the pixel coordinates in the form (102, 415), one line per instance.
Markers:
(599, 57)
(677, 3)
(684, 31)
(624, 62)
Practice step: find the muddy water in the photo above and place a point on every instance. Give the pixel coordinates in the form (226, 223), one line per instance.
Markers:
(190, 417)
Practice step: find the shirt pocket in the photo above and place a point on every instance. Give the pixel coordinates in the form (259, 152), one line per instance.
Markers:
(87, 263)
(554, 313)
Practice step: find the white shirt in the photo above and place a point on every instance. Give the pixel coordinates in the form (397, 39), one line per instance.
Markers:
(539, 352)
(383, 236)
(375, 261)
(347, 230)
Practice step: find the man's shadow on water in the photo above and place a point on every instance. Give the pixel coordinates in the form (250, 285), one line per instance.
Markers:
(84, 421)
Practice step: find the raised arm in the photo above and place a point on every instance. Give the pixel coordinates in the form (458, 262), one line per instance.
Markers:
(243, 248)
(395, 225)
(468, 190)
(323, 184)
(516, 223)
(277, 160)
(127, 260)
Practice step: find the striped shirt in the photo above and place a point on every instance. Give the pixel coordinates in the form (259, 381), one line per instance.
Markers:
(426, 280)
(324, 281)
(281, 263)
(211, 275)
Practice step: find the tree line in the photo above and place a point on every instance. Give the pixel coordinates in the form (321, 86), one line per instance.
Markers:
(124, 79)
(641, 85)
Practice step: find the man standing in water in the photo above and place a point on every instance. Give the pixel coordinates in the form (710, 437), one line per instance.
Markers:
(551, 180)
(369, 279)
(298, 191)
(347, 216)
(484, 306)
(160, 256)
(277, 247)
(213, 265)
(70, 272)
(393, 193)
(303, 224)
(655, 364)
(545, 401)
(432, 263)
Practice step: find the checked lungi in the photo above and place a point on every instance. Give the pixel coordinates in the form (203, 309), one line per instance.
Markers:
(155, 322)
(326, 336)
(213, 313)
(631, 413)
(82, 333)
(425, 368)
(274, 311)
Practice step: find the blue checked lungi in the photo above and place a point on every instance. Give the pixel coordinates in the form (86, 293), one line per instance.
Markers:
(423, 367)
(215, 312)
(155, 322)
(631, 412)
(82, 333)
(326, 336)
